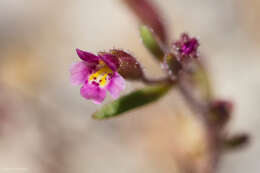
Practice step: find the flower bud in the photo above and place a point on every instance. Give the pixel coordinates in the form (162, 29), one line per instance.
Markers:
(129, 67)
(221, 110)
(186, 47)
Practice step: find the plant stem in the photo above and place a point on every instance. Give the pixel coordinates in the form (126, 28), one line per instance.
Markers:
(157, 81)
(213, 135)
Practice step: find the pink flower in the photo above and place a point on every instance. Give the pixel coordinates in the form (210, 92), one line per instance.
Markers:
(98, 74)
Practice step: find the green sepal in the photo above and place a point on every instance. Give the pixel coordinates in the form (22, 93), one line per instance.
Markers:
(151, 42)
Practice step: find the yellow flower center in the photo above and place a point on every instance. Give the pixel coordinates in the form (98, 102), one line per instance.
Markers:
(101, 76)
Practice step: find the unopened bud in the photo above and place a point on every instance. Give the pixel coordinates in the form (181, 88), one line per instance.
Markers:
(186, 47)
(221, 111)
(129, 67)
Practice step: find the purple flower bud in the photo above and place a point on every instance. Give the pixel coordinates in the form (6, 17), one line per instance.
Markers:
(221, 110)
(222, 106)
(186, 47)
(129, 67)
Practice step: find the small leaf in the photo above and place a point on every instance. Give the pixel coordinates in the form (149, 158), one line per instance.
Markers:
(236, 141)
(131, 101)
(151, 43)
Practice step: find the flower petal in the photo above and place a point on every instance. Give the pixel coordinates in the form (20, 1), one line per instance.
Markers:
(87, 56)
(79, 73)
(116, 85)
(111, 61)
(93, 92)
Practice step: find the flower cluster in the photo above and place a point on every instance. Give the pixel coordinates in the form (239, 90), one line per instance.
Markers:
(186, 47)
(98, 74)
(103, 72)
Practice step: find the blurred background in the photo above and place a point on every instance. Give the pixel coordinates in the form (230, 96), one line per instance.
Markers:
(46, 126)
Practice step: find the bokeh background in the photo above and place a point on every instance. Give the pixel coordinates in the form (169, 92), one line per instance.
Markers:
(46, 126)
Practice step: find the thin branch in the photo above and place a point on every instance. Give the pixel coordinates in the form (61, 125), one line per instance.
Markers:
(149, 81)
(213, 134)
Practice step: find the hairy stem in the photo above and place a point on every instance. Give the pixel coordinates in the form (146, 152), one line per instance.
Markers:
(213, 134)
(157, 81)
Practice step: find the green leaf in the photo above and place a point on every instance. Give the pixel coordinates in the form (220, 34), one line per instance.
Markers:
(236, 141)
(131, 101)
(151, 43)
